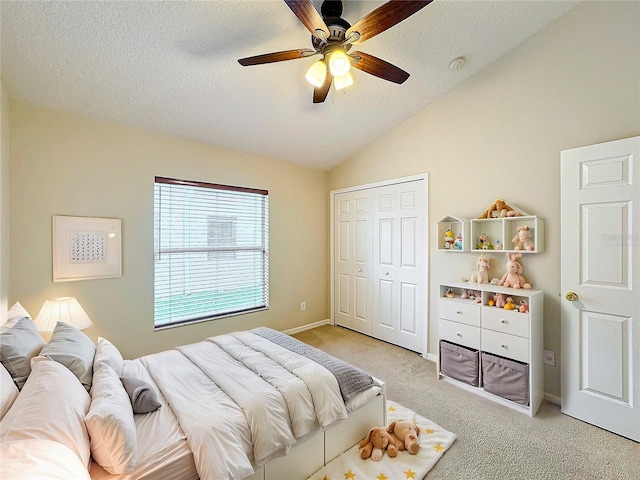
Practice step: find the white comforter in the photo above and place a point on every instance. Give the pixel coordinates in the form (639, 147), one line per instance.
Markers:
(243, 400)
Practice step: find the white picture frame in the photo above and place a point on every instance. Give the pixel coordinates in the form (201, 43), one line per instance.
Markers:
(85, 248)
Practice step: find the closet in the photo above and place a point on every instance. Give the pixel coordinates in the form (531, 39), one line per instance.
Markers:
(379, 260)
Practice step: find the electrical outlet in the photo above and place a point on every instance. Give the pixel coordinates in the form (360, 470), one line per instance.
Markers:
(303, 306)
(550, 358)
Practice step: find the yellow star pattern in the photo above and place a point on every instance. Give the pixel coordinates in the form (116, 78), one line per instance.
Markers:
(429, 431)
(439, 447)
(382, 476)
(392, 408)
(350, 475)
(409, 474)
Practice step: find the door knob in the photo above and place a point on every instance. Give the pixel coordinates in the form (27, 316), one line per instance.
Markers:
(571, 296)
(359, 270)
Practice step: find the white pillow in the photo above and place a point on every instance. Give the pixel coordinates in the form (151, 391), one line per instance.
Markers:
(107, 352)
(15, 313)
(52, 406)
(73, 349)
(20, 343)
(8, 391)
(29, 459)
(110, 423)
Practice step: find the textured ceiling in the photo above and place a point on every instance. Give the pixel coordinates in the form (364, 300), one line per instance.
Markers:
(171, 67)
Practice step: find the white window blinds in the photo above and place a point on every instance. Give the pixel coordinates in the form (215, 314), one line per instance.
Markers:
(211, 251)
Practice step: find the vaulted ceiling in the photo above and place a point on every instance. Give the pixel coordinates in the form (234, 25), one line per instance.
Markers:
(171, 67)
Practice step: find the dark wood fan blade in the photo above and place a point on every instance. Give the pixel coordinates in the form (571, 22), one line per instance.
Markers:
(378, 67)
(320, 93)
(277, 57)
(385, 17)
(308, 15)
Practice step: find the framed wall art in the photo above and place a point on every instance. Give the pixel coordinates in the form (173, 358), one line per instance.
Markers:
(85, 248)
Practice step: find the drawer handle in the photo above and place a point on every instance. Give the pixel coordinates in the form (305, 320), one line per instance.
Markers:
(503, 346)
(458, 312)
(458, 334)
(503, 321)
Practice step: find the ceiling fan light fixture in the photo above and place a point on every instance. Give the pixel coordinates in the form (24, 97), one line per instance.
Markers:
(343, 81)
(339, 63)
(317, 73)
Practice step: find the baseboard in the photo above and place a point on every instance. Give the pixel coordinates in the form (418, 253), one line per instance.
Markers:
(432, 357)
(552, 398)
(308, 326)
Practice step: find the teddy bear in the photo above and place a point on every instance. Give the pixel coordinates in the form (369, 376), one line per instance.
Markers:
(406, 435)
(498, 206)
(376, 442)
(522, 240)
(483, 270)
(513, 276)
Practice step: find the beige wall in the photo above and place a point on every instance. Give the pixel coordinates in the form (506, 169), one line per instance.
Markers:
(4, 202)
(499, 135)
(64, 164)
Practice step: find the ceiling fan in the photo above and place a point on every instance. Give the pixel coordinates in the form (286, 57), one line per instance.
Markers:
(332, 37)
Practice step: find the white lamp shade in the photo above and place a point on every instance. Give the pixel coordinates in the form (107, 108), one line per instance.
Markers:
(343, 81)
(65, 309)
(317, 73)
(339, 63)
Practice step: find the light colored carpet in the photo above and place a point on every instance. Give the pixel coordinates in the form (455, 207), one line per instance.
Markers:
(493, 442)
(434, 442)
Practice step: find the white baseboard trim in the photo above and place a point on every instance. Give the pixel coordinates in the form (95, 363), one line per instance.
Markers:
(552, 398)
(308, 326)
(432, 357)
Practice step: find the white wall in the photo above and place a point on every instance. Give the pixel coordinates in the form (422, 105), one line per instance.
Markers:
(499, 135)
(68, 165)
(4, 203)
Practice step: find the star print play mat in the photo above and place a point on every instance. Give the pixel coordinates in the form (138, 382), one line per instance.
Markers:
(434, 441)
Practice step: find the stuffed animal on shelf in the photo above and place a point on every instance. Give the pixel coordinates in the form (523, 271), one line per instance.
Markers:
(376, 442)
(513, 277)
(405, 433)
(524, 306)
(522, 240)
(483, 243)
(498, 300)
(472, 295)
(449, 293)
(482, 276)
(448, 239)
(498, 206)
(509, 305)
(457, 244)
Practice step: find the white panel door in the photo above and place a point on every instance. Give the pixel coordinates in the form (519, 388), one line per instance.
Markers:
(399, 264)
(600, 250)
(352, 254)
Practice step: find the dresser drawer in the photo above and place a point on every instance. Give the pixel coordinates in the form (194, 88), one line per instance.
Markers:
(460, 333)
(459, 311)
(507, 321)
(505, 345)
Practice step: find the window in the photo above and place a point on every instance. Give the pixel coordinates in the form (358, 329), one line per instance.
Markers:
(211, 248)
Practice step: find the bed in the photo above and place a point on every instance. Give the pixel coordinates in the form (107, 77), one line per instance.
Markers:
(254, 404)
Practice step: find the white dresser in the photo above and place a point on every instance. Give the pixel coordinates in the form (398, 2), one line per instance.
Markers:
(491, 351)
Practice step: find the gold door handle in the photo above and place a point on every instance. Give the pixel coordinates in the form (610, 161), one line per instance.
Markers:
(571, 296)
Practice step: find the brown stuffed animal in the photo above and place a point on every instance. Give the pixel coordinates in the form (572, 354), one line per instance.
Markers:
(498, 206)
(376, 442)
(406, 435)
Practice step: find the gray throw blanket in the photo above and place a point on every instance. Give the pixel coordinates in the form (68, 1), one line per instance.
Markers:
(351, 379)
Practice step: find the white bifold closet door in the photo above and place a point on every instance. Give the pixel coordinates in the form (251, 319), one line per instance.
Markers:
(380, 256)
